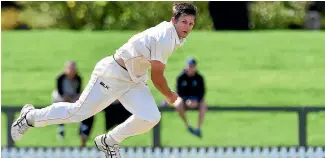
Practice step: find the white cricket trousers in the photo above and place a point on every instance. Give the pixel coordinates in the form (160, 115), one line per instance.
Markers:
(109, 81)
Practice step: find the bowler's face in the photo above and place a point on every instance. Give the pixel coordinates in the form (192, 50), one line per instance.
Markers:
(184, 25)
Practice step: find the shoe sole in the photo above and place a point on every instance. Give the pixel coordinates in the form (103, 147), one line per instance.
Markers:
(99, 139)
(15, 135)
(97, 145)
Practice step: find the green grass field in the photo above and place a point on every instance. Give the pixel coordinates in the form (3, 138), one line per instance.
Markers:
(271, 68)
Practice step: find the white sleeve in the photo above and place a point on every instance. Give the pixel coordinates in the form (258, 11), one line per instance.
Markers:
(158, 50)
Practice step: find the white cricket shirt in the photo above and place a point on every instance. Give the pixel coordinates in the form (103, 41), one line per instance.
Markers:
(155, 43)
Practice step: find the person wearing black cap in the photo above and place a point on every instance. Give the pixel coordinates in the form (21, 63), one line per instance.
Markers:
(191, 89)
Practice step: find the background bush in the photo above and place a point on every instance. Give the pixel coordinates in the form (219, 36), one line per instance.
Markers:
(140, 15)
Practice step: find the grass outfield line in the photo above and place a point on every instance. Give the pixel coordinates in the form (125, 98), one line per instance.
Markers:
(270, 68)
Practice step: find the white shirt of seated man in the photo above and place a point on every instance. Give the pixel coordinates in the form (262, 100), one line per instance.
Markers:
(155, 43)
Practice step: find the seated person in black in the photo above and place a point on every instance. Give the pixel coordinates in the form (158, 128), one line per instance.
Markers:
(191, 88)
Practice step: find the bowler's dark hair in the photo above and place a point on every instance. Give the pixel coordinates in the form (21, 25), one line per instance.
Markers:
(183, 8)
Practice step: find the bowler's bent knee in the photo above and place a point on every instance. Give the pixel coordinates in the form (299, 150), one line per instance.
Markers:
(155, 118)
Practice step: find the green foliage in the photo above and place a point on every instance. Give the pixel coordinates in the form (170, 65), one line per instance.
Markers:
(269, 15)
(124, 15)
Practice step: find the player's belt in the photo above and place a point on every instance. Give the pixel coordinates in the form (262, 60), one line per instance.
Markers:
(119, 63)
